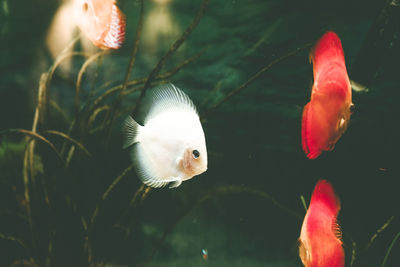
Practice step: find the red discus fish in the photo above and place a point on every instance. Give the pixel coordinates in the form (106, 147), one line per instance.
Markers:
(102, 22)
(320, 243)
(326, 116)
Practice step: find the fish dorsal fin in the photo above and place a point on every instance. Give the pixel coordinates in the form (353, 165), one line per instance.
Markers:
(167, 97)
(328, 47)
(147, 171)
(324, 193)
(336, 230)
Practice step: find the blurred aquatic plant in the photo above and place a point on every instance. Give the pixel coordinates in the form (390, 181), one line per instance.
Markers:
(389, 249)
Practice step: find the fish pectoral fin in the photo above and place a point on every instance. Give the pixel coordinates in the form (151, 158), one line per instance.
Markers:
(175, 183)
(342, 122)
(330, 147)
(336, 230)
(357, 87)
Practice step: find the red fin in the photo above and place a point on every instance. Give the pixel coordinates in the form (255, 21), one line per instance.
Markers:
(327, 49)
(115, 35)
(324, 193)
(304, 130)
(337, 230)
(309, 146)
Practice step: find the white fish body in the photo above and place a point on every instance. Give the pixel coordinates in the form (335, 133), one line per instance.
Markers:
(170, 147)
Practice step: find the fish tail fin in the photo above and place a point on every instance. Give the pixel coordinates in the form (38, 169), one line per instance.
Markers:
(329, 47)
(130, 130)
(325, 193)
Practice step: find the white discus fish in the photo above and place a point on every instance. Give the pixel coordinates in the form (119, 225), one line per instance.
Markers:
(170, 147)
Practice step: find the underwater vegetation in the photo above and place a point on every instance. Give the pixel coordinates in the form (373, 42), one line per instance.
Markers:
(263, 194)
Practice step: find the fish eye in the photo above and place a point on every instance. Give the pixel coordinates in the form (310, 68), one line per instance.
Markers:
(195, 154)
(85, 7)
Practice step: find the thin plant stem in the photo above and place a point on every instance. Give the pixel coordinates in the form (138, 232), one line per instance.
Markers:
(353, 252)
(28, 168)
(89, 227)
(27, 194)
(80, 75)
(78, 112)
(93, 117)
(252, 79)
(303, 201)
(142, 80)
(134, 50)
(389, 249)
(111, 115)
(383, 227)
(115, 182)
(57, 108)
(50, 248)
(187, 61)
(171, 51)
(140, 195)
(14, 239)
(60, 59)
(70, 139)
(39, 117)
(34, 135)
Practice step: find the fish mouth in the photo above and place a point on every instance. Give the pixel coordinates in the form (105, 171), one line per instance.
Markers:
(200, 171)
(203, 169)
